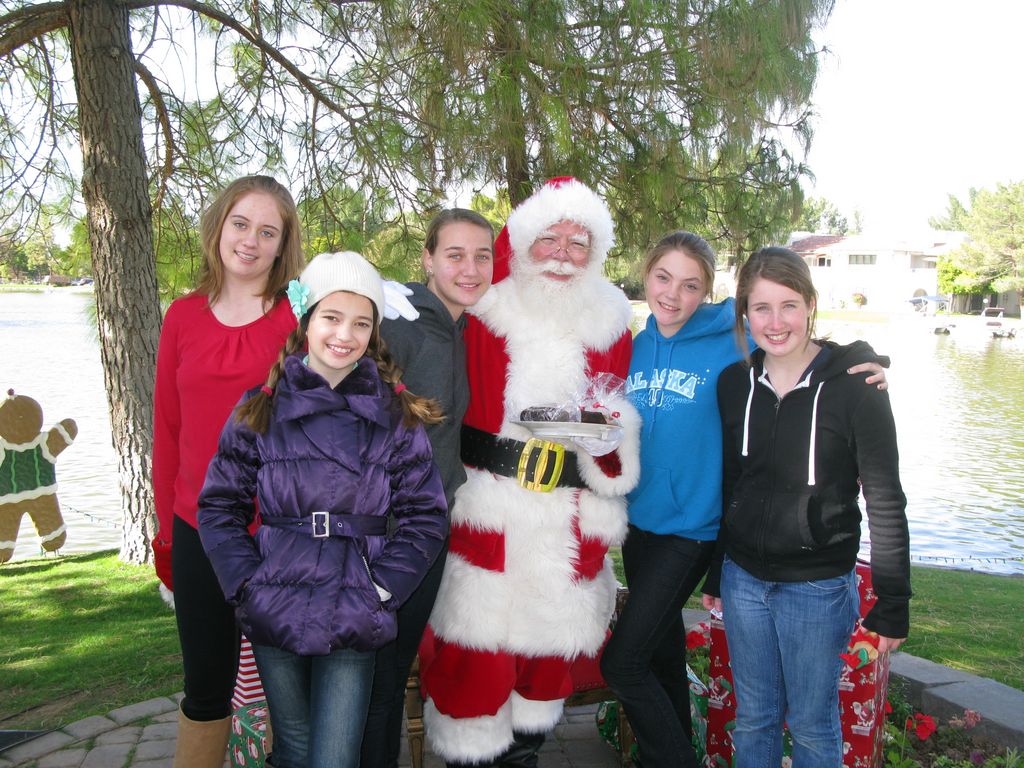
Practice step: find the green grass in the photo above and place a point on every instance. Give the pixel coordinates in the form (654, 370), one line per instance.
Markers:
(85, 634)
(965, 620)
(80, 636)
(969, 621)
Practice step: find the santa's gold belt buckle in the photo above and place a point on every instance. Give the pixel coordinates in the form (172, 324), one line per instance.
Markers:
(543, 449)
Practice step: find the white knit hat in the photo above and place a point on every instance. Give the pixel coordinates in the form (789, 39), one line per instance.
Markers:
(330, 272)
(561, 199)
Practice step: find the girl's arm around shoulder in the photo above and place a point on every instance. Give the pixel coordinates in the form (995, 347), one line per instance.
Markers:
(227, 507)
(420, 516)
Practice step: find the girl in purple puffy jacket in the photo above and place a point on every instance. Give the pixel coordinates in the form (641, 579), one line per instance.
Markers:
(333, 451)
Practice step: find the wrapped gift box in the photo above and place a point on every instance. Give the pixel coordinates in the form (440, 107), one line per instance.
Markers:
(248, 742)
(249, 722)
(862, 695)
(698, 712)
(248, 688)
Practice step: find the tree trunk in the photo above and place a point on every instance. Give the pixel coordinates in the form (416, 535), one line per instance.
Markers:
(120, 225)
(511, 133)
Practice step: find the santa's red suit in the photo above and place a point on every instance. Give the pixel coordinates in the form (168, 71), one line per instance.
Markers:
(527, 587)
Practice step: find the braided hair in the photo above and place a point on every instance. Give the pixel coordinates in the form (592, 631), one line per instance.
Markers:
(256, 411)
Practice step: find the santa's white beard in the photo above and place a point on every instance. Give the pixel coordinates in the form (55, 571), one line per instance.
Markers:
(555, 300)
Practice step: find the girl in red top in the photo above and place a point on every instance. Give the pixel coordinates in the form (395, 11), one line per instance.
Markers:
(216, 343)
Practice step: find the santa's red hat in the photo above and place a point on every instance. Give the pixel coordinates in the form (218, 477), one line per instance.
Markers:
(560, 199)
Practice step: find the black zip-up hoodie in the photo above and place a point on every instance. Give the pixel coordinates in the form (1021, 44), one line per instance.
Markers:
(792, 472)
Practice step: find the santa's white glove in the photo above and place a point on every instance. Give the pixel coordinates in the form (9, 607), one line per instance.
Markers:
(600, 446)
(395, 303)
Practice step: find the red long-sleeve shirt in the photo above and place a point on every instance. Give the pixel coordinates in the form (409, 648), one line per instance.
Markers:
(202, 369)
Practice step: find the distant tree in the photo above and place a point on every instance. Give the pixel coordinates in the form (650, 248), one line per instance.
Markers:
(994, 250)
(822, 216)
(952, 278)
(495, 209)
(78, 249)
(858, 222)
(955, 217)
(44, 254)
(13, 259)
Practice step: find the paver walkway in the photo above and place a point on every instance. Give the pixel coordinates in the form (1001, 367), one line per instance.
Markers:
(143, 736)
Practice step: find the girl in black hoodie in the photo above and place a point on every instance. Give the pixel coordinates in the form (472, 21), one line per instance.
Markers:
(801, 440)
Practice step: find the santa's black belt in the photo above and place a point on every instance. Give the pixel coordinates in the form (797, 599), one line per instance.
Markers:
(320, 525)
(538, 465)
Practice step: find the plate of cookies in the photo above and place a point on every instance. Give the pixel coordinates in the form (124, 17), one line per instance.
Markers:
(558, 421)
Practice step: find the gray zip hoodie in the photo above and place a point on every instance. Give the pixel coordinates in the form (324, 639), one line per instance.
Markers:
(432, 356)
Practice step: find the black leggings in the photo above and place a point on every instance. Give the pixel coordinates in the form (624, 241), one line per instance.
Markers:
(383, 733)
(206, 628)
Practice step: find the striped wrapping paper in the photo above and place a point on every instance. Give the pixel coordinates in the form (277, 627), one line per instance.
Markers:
(248, 688)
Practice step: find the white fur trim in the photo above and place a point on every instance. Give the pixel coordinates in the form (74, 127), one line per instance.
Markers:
(532, 716)
(603, 518)
(468, 739)
(591, 314)
(572, 201)
(472, 606)
(571, 621)
(473, 505)
(536, 606)
(628, 453)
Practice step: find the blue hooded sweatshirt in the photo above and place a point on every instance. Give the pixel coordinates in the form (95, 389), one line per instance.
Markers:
(672, 382)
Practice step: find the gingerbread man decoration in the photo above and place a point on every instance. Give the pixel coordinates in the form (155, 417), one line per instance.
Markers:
(28, 480)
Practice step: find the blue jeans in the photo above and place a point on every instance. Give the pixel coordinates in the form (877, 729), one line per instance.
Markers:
(317, 705)
(784, 641)
(645, 659)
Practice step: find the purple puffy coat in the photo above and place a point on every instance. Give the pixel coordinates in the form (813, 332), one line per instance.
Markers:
(342, 451)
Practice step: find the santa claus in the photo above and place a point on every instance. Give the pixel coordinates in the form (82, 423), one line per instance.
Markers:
(528, 590)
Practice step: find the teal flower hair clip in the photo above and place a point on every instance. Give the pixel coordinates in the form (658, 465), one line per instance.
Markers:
(298, 296)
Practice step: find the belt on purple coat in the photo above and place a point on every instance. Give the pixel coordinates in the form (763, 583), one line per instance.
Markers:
(321, 525)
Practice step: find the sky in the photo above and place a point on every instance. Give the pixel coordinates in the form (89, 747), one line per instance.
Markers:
(917, 100)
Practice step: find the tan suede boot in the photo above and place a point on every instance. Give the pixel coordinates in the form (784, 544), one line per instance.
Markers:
(201, 744)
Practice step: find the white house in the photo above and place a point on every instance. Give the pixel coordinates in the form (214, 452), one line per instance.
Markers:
(885, 270)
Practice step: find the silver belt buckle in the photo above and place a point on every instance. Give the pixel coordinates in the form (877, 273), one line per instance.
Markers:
(321, 525)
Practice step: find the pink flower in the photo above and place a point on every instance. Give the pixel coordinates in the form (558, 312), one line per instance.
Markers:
(971, 718)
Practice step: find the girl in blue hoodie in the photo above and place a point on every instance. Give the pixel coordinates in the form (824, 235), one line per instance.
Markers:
(676, 507)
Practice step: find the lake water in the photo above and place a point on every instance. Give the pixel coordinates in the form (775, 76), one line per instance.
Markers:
(958, 400)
